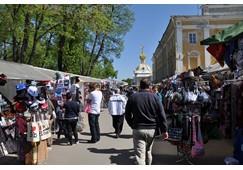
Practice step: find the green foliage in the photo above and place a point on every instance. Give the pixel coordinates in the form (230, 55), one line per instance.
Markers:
(82, 39)
(129, 81)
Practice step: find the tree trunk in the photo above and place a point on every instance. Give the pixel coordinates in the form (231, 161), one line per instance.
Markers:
(5, 54)
(91, 55)
(36, 38)
(62, 41)
(14, 49)
(33, 48)
(48, 46)
(91, 67)
(25, 39)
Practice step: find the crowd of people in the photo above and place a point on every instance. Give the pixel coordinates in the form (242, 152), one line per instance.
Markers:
(141, 107)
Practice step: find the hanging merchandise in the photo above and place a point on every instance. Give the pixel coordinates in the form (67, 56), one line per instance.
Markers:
(20, 107)
(66, 81)
(239, 57)
(60, 83)
(238, 146)
(44, 129)
(11, 145)
(197, 147)
(21, 125)
(33, 130)
(3, 79)
(2, 136)
(4, 149)
(217, 51)
(33, 91)
(175, 134)
(228, 56)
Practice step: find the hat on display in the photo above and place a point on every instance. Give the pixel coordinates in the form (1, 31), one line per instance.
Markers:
(21, 86)
(48, 86)
(32, 90)
(189, 76)
(40, 98)
(43, 107)
(34, 106)
(28, 100)
(60, 102)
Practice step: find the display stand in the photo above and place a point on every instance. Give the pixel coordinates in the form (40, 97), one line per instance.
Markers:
(185, 155)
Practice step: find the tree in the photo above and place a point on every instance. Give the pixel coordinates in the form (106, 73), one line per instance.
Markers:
(128, 80)
(82, 39)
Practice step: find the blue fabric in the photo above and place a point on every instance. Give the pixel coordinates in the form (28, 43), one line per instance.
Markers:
(227, 55)
(160, 97)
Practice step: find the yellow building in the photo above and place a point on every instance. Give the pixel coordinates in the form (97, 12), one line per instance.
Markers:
(179, 48)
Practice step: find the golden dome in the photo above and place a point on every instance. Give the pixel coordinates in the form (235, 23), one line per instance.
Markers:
(142, 56)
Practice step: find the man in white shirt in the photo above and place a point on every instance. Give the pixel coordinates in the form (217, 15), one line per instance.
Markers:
(116, 106)
(95, 98)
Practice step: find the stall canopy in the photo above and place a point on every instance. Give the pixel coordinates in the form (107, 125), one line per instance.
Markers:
(21, 71)
(227, 35)
(28, 72)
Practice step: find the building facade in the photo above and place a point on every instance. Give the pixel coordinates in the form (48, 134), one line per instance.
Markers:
(142, 70)
(179, 48)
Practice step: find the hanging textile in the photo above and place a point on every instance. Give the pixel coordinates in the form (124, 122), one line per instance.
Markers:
(238, 146)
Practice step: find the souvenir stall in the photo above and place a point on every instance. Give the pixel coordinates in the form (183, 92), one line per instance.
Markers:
(227, 47)
(24, 119)
(189, 102)
(7, 128)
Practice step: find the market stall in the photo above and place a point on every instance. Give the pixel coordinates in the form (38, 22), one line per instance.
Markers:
(25, 90)
(227, 47)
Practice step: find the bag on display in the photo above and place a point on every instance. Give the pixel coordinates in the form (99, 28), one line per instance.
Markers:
(11, 145)
(33, 134)
(197, 148)
(45, 130)
(175, 134)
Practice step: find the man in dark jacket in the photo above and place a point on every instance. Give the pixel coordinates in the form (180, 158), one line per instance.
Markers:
(144, 112)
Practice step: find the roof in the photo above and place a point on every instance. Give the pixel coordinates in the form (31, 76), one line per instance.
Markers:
(227, 35)
(217, 68)
(143, 67)
(23, 71)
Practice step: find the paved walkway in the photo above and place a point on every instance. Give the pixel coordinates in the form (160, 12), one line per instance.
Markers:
(111, 150)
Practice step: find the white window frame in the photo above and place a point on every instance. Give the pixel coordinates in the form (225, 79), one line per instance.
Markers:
(191, 41)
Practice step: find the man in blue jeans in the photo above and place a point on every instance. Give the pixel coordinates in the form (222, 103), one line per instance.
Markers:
(143, 113)
(95, 98)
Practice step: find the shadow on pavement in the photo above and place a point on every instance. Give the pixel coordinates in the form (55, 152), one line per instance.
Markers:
(122, 157)
(63, 141)
(109, 134)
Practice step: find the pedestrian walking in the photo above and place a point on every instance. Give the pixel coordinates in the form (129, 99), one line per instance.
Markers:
(156, 91)
(144, 112)
(72, 110)
(95, 98)
(116, 107)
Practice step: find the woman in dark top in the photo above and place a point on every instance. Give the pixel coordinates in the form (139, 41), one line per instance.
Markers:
(72, 110)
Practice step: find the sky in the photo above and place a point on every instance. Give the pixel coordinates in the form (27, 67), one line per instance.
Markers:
(150, 23)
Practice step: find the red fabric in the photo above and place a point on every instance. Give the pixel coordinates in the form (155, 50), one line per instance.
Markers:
(20, 107)
(217, 51)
